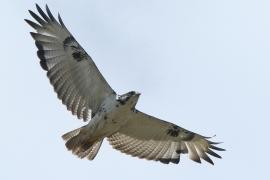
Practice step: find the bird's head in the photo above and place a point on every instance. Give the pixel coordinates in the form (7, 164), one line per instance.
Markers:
(130, 98)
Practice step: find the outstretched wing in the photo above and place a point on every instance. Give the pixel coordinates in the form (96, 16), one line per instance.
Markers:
(147, 137)
(73, 74)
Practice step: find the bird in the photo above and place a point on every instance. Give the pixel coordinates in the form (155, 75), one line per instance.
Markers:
(84, 91)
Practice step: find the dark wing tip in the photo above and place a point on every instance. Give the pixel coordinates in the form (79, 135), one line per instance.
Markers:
(167, 161)
(209, 161)
(41, 12)
(61, 21)
(37, 6)
(197, 160)
(164, 161)
(32, 24)
(206, 158)
(33, 34)
(49, 13)
(211, 142)
(46, 6)
(212, 153)
(37, 18)
(175, 161)
(216, 148)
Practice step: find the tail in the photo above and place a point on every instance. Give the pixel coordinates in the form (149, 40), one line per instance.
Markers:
(81, 145)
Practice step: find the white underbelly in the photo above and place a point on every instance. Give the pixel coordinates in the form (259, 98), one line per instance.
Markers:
(108, 121)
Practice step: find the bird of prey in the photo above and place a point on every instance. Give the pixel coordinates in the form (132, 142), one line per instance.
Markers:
(82, 88)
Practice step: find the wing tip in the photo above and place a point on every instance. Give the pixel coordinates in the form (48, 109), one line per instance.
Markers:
(175, 161)
(197, 160)
(61, 21)
(32, 24)
(212, 153)
(216, 148)
(37, 18)
(49, 13)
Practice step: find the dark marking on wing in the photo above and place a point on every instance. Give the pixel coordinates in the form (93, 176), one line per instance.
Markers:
(68, 40)
(77, 56)
(173, 131)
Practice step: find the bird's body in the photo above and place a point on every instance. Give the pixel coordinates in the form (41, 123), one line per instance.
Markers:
(82, 88)
(111, 116)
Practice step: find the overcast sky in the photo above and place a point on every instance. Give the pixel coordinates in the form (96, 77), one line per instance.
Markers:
(203, 65)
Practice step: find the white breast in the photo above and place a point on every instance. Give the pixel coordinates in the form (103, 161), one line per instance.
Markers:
(109, 119)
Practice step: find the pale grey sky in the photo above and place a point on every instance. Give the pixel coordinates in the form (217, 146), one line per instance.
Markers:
(203, 65)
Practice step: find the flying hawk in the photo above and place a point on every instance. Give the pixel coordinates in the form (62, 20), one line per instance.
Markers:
(82, 88)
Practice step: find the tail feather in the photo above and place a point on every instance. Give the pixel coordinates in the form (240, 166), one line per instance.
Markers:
(71, 134)
(91, 152)
(81, 145)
